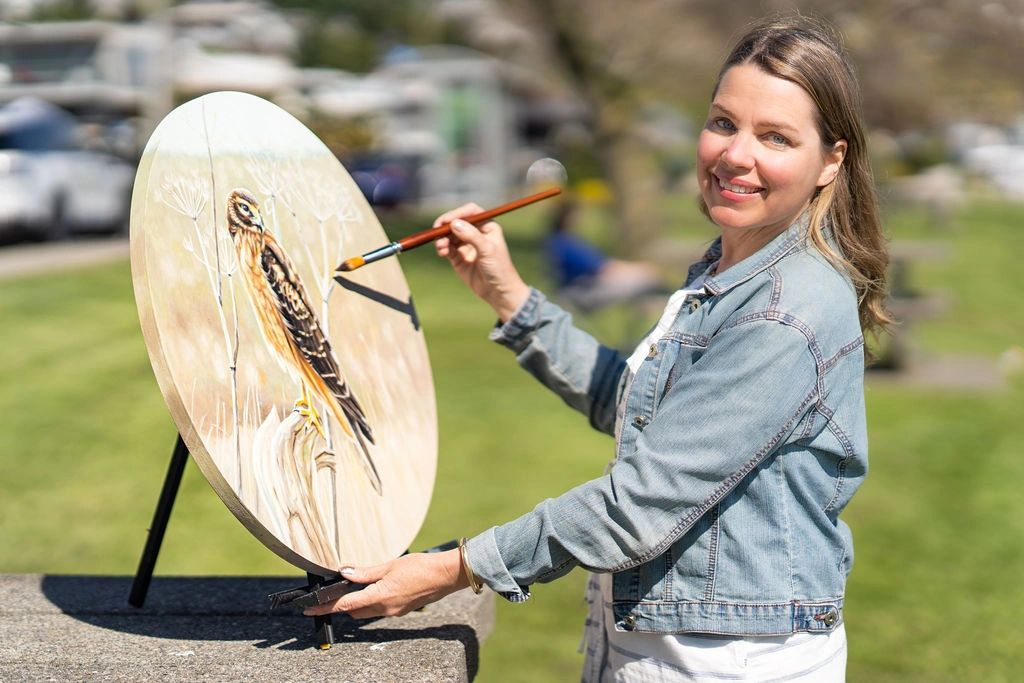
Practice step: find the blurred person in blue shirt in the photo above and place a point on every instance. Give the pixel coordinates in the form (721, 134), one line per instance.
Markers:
(585, 276)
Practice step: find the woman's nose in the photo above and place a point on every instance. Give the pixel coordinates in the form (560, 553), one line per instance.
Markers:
(739, 153)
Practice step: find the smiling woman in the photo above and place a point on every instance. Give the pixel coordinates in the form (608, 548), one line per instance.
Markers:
(760, 156)
(795, 93)
(714, 537)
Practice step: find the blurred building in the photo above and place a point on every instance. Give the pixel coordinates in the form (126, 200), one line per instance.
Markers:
(437, 125)
(233, 26)
(459, 124)
(97, 70)
(445, 112)
(243, 45)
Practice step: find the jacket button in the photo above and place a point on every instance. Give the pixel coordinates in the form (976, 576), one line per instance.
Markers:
(629, 622)
(694, 305)
(653, 351)
(640, 421)
(828, 618)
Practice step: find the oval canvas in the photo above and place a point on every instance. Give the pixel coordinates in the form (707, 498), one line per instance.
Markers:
(307, 403)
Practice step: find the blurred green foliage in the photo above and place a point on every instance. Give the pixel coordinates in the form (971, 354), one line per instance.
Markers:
(63, 10)
(354, 35)
(86, 440)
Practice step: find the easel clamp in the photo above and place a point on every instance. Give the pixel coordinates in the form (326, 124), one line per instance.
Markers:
(314, 594)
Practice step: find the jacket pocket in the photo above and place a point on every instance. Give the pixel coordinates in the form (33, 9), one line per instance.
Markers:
(684, 351)
(682, 573)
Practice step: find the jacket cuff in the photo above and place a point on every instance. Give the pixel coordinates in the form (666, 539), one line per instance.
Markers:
(485, 561)
(521, 324)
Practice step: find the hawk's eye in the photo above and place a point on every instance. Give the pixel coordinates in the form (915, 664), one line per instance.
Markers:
(245, 209)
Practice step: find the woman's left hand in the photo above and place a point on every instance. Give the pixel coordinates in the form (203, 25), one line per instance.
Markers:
(400, 586)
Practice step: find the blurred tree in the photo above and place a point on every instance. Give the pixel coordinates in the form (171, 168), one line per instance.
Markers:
(619, 69)
(344, 137)
(63, 10)
(927, 63)
(339, 44)
(921, 63)
(354, 35)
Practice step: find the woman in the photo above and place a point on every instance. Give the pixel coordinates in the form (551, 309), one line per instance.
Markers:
(739, 422)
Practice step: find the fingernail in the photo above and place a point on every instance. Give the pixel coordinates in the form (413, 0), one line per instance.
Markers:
(459, 226)
(346, 571)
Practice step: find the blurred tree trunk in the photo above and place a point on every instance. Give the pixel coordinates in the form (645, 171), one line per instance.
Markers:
(572, 30)
(632, 172)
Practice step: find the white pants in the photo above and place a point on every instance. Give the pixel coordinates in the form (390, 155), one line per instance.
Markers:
(629, 657)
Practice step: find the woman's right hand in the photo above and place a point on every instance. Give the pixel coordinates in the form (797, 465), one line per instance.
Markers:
(480, 258)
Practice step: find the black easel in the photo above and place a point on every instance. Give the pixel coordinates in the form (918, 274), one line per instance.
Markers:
(144, 575)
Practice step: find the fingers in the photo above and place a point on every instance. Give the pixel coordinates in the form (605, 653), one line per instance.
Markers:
(397, 587)
(457, 252)
(375, 600)
(366, 574)
(460, 212)
(470, 234)
(372, 601)
(467, 241)
(357, 575)
(464, 245)
(357, 600)
(489, 227)
(463, 212)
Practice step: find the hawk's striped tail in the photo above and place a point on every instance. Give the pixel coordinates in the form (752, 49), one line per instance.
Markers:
(368, 466)
(350, 416)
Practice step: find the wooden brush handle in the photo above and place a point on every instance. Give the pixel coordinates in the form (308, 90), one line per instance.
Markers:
(420, 238)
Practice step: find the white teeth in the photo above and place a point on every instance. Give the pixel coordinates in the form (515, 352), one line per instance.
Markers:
(738, 189)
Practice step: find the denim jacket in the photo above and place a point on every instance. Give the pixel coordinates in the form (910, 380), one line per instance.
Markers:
(738, 442)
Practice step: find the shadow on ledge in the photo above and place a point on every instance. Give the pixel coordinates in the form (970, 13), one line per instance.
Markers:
(237, 609)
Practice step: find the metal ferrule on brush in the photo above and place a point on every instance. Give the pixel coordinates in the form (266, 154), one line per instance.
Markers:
(383, 252)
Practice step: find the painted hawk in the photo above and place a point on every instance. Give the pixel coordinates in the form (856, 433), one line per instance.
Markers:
(290, 326)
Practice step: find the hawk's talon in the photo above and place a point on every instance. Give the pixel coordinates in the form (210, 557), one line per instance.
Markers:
(304, 408)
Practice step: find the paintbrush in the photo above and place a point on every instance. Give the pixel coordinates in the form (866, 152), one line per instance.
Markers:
(421, 238)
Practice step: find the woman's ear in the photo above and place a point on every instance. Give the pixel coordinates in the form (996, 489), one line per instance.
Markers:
(833, 161)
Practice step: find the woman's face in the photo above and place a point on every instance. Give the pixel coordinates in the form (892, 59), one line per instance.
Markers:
(760, 157)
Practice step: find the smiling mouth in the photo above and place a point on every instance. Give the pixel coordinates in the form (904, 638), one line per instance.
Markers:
(738, 189)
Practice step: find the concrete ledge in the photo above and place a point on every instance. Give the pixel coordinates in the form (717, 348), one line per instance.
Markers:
(55, 627)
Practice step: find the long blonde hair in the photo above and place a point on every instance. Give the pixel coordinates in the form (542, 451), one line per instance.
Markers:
(811, 55)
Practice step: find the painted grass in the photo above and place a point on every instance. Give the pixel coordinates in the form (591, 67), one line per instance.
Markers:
(935, 594)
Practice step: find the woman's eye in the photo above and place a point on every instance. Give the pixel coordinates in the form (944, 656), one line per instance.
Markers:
(777, 139)
(724, 124)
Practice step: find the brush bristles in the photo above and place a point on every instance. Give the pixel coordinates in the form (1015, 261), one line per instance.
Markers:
(352, 264)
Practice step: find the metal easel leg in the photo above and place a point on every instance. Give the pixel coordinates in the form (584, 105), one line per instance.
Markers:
(323, 625)
(144, 574)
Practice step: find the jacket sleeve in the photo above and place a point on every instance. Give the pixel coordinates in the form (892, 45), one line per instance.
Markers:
(722, 417)
(570, 362)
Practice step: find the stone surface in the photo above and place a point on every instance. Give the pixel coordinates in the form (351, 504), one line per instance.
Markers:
(55, 627)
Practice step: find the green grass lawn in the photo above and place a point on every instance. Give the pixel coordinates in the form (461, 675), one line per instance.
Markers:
(939, 525)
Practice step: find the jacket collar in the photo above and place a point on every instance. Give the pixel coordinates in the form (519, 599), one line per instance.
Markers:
(760, 260)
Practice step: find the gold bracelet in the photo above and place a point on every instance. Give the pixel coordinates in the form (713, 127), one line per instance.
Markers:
(474, 583)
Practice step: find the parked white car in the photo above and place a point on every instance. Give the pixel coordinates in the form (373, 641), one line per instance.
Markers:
(49, 189)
